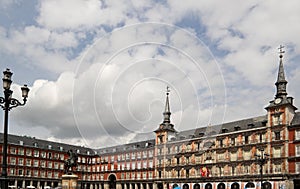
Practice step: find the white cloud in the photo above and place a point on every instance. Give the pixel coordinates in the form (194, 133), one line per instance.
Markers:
(121, 76)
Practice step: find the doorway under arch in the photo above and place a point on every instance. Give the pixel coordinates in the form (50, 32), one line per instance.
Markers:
(112, 181)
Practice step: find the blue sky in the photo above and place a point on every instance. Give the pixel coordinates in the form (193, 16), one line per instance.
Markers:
(98, 70)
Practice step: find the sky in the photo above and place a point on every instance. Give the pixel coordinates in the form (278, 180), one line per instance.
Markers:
(98, 70)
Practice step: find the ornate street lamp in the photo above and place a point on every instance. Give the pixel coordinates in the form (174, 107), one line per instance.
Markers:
(7, 103)
(262, 160)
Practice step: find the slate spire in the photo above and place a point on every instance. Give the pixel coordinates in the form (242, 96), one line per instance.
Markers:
(167, 112)
(281, 81)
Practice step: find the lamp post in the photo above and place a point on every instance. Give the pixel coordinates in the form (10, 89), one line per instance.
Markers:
(262, 159)
(7, 103)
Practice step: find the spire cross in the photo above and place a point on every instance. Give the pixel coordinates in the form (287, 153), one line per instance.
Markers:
(281, 51)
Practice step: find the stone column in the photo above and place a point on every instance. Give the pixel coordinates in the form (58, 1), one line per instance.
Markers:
(106, 186)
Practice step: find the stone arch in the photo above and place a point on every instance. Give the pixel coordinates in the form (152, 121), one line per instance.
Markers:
(196, 186)
(208, 186)
(185, 186)
(266, 185)
(250, 185)
(235, 186)
(112, 181)
(221, 186)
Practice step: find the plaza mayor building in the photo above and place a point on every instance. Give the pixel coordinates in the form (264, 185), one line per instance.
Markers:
(257, 152)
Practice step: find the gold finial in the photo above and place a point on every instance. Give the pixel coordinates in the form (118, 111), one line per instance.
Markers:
(281, 51)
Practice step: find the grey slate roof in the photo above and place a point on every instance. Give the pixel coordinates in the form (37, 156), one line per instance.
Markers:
(244, 124)
(44, 144)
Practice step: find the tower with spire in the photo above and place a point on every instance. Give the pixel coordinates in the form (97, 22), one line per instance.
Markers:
(281, 109)
(166, 129)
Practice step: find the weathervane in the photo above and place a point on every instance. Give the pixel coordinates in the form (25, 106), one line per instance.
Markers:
(281, 51)
(168, 90)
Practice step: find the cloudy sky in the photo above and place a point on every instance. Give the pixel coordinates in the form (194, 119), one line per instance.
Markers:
(98, 70)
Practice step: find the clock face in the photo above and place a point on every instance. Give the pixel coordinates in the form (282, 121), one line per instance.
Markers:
(277, 100)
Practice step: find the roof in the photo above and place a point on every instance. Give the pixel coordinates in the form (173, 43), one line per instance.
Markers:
(44, 144)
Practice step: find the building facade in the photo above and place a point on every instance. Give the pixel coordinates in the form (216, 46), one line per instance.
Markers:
(258, 152)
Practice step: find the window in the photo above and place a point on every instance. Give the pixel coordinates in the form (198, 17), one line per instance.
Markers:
(42, 173)
(246, 139)
(247, 155)
(35, 163)
(35, 173)
(277, 135)
(49, 174)
(144, 154)
(20, 172)
(12, 172)
(28, 152)
(297, 134)
(36, 153)
(233, 156)
(150, 175)
(21, 161)
(21, 151)
(150, 163)
(13, 150)
(246, 169)
(43, 163)
(220, 142)
(133, 155)
(277, 168)
(55, 165)
(298, 150)
(127, 156)
(13, 161)
(61, 166)
(43, 154)
(28, 162)
(28, 173)
(139, 155)
(276, 152)
(50, 164)
(260, 137)
(232, 141)
(297, 167)
(49, 155)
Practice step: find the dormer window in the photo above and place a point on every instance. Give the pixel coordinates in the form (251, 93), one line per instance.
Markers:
(224, 130)
(237, 128)
(201, 134)
(250, 125)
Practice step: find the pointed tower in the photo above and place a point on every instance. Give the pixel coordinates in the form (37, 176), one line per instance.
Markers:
(166, 129)
(281, 110)
(281, 82)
